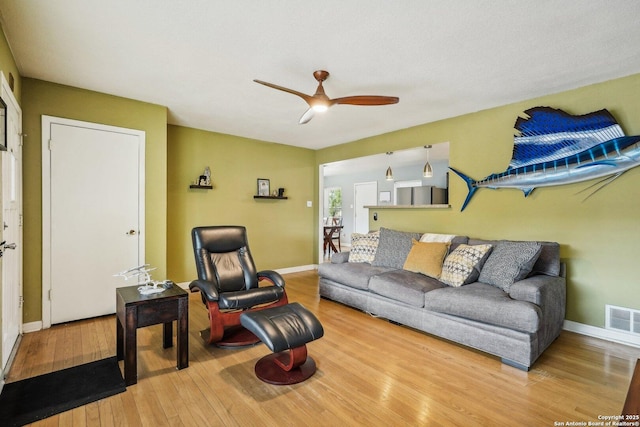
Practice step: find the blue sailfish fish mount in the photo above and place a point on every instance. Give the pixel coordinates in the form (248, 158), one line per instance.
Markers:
(552, 147)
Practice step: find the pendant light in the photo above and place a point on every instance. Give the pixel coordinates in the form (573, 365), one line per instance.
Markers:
(389, 174)
(427, 172)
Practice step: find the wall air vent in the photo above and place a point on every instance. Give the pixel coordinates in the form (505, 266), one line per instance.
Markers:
(622, 319)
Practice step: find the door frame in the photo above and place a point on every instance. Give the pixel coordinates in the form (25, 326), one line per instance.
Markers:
(355, 205)
(47, 122)
(12, 103)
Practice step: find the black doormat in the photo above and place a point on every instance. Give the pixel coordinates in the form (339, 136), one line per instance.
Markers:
(23, 402)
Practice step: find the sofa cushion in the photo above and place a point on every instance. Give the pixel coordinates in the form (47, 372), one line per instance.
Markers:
(393, 248)
(463, 265)
(426, 258)
(354, 274)
(363, 247)
(509, 262)
(485, 303)
(404, 286)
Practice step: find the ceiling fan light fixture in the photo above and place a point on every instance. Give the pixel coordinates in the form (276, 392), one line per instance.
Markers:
(320, 108)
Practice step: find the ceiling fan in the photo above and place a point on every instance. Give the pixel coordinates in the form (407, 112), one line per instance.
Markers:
(319, 101)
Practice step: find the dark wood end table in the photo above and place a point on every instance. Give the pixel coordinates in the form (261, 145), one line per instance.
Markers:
(134, 310)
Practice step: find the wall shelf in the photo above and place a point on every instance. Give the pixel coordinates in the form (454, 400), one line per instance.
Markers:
(202, 187)
(271, 197)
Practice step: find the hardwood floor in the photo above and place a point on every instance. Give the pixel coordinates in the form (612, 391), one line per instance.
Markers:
(370, 372)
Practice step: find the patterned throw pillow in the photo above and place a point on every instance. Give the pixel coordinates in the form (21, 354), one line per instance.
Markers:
(509, 262)
(426, 258)
(463, 265)
(363, 247)
(393, 248)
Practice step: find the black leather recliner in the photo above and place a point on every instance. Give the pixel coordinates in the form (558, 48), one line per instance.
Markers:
(228, 283)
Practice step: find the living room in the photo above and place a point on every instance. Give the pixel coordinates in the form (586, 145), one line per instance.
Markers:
(597, 235)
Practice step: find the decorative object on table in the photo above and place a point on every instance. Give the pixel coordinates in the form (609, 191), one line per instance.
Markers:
(553, 147)
(320, 102)
(280, 192)
(147, 286)
(263, 187)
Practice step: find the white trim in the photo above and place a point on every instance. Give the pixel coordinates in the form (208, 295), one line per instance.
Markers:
(31, 327)
(297, 269)
(47, 122)
(605, 334)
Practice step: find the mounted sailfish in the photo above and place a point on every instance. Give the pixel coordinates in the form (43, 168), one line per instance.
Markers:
(556, 148)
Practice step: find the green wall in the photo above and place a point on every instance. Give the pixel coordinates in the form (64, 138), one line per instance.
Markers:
(281, 232)
(599, 236)
(43, 98)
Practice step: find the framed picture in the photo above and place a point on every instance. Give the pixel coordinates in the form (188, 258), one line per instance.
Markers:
(385, 196)
(3, 125)
(263, 187)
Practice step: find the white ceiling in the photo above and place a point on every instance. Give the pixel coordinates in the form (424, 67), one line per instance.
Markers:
(442, 58)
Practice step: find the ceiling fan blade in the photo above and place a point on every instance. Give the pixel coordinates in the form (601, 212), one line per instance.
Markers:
(307, 116)
(304, 96)
(366, 100)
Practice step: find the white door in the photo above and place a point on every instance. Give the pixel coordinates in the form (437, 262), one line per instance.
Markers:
(12, 226)
(365, 194)
(94, 218)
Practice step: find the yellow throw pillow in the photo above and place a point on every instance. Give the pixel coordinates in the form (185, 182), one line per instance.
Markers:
(426, 258)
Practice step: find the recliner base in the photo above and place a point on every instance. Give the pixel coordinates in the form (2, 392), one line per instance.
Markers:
(269, 370)
(234, 337)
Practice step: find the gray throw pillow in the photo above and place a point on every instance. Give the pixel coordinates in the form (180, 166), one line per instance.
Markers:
(509, 262)
(393, 248)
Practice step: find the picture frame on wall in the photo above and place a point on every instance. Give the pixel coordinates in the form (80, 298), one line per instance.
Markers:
(263, 187)
(3, 125)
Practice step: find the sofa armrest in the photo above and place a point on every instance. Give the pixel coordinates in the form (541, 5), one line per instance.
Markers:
(340, 258)
(533, 289)
(550, 294)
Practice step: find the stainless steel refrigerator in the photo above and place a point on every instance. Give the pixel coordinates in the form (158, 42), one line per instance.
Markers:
(424, 195)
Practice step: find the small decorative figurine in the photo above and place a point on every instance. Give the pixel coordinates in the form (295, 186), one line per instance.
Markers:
(147, 286)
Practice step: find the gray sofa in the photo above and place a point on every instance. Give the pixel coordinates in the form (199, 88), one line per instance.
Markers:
(511, 305)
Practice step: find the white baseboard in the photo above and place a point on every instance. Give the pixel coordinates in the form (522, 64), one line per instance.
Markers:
(31, 327)
(602, 333)
(297, 269)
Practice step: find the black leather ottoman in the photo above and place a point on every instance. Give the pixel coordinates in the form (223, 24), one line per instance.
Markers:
(285, 330)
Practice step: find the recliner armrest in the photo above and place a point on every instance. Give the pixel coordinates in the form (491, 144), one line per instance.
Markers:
(272, 276)
(205, 287)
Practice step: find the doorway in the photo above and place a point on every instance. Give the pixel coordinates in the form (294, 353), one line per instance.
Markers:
(93, 215)
(365, 194)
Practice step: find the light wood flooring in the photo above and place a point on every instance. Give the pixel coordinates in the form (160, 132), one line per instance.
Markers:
(370, 372)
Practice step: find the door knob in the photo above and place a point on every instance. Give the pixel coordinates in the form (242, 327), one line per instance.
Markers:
(9, 246)
(131, 232)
